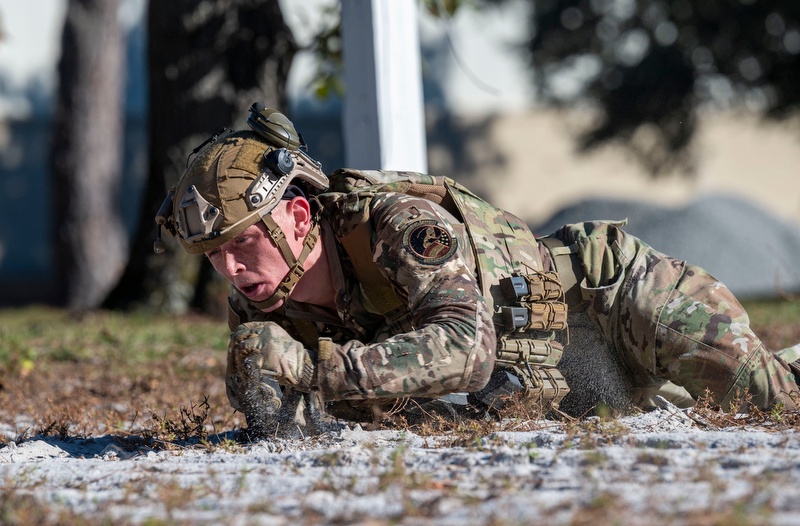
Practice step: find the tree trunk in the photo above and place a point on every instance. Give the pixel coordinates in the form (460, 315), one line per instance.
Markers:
(90, 240)
(208, 62)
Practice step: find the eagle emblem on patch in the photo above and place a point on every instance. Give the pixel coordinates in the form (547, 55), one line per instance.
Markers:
(429, 242)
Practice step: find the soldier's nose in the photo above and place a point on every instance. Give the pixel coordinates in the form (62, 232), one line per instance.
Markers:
(232, 265)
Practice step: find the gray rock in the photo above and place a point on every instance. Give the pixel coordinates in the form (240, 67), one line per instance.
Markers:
(753, 252)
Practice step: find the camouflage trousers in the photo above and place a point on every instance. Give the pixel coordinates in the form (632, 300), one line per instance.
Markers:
(674, 321)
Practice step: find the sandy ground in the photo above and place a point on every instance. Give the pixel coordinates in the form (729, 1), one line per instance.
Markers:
(662, 467)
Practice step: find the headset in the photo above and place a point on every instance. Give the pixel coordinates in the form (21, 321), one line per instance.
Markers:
(279, 161)
(270, 127)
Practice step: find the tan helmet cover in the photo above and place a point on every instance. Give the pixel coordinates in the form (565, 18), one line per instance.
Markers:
(228, 187)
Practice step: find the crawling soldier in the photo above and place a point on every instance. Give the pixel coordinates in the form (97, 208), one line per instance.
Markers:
(372, 288)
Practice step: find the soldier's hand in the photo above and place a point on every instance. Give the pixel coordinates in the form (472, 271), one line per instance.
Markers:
(262, 350)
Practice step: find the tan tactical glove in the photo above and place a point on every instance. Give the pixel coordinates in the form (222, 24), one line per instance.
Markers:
(262, 355)
(260, 351)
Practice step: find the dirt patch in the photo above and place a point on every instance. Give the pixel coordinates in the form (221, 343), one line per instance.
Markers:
(118, 420)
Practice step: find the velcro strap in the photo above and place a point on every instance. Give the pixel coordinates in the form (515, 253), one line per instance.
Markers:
(547, 315)
(544, 286)
(234, 320)
(376, 287)
(511, 351)
(325, 349)
(546, 386)
(296, 268)
(568, 267)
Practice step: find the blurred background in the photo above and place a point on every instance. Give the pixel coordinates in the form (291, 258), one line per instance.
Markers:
(679, 116)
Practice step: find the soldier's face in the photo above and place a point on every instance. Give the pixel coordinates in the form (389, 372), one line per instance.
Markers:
(251, 261)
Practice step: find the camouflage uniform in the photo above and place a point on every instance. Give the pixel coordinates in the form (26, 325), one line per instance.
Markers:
(442, 342)
(665, 319)
(671, 320)
(421, 297)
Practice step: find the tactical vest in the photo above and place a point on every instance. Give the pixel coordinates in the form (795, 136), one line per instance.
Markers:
(530, 314)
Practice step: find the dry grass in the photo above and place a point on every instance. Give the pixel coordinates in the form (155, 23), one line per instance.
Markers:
(160, 380)
(155, 378)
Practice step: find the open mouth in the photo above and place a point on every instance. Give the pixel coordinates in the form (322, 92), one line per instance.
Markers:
(250, 289)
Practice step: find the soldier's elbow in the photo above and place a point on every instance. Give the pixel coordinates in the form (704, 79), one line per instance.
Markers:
(481, 370)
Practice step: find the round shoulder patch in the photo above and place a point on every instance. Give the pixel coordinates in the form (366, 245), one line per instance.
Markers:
(429, 242)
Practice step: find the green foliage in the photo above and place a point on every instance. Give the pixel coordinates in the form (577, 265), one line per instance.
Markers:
(326, 45)
(652, 64)
(773, 311)
(776, 321)
(327, 48)
(443, 8)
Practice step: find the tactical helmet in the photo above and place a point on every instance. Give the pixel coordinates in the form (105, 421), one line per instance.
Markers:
(236, 180)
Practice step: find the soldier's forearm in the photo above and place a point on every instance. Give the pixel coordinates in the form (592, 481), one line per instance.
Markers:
(435, 360)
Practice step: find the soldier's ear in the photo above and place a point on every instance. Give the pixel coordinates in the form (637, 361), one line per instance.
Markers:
(299, 209)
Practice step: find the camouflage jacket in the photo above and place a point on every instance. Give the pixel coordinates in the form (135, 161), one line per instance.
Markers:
(437, 330)
(440, 335)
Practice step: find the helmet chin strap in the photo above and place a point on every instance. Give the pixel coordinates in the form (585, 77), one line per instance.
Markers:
(296, 269)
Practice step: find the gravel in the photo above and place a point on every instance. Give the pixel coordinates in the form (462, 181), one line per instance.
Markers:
(660, 467)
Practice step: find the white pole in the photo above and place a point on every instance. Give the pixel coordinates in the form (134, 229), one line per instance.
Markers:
(384, 116)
